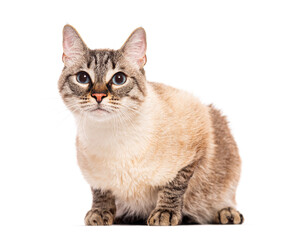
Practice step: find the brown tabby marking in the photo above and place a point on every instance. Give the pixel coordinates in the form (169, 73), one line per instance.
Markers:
(151, 153)
(168, 211)
(103, 209)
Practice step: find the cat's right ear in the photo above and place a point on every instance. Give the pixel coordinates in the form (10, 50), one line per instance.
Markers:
(73, 46)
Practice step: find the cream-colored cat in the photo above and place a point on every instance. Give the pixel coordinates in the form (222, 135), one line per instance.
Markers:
(151, 153)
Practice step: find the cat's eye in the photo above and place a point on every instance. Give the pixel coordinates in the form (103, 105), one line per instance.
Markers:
(119, 78)
(83, 77)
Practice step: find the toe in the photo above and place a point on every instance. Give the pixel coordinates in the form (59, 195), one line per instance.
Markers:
(229, 216)
(96, 217)
(163, 217)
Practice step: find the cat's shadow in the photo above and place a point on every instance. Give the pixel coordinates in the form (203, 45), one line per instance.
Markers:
(142, 222)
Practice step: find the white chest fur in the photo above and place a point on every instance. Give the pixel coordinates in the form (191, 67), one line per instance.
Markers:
(113, 159)
(133, 158)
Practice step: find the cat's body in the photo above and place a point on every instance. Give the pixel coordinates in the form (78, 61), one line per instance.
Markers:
(163, 157)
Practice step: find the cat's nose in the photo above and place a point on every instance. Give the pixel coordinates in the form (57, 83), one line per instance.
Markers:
(99, 96)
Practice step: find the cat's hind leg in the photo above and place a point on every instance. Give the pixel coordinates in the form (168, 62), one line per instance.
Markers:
(229, 216)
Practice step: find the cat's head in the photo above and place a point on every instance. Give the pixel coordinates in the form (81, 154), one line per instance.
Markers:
(103, 83)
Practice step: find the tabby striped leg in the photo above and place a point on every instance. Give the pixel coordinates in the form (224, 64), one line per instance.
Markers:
(103, 209)
(168, 211)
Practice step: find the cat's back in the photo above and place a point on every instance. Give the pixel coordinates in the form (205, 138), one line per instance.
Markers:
(201, 125)
(173, 96)
(226, 151)
(178, 103)
(183, 122)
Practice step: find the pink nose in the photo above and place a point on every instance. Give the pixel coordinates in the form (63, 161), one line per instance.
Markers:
(98, 96)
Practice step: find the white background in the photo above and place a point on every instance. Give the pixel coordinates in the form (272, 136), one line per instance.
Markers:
(239, 55)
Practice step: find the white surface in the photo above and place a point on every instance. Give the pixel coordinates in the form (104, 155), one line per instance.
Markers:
(239, 55)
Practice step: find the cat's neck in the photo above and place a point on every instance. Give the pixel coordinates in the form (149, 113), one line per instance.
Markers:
(128, 134)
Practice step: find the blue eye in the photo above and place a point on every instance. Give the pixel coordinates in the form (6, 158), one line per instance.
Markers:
(83, 77)
(119, 78)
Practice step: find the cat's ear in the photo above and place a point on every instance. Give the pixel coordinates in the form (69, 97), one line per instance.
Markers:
(134, 49)
(73, 46)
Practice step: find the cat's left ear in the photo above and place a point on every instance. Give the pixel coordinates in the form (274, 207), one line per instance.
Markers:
(73, 46)
(134, 49)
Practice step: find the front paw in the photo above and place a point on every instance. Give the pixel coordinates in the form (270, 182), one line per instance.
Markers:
(96, 217)
(164, 217)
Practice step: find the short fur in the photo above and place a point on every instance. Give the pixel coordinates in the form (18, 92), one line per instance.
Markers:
(150, 152)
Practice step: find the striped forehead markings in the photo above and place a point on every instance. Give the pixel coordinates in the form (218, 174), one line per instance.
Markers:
(96, 59)
(93, 59)
(106, 58)
(109, 59)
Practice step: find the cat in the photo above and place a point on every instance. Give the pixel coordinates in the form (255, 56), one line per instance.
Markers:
(152, 154)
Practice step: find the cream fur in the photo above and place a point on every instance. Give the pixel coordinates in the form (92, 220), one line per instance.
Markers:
(133, 159)
(141, 137)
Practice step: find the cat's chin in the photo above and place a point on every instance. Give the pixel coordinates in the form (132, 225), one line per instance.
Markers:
(99, 115)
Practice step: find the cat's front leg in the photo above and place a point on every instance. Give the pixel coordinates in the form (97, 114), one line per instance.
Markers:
(103, 209)
(168, 211)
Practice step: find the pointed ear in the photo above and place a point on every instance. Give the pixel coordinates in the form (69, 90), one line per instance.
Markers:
(134, 49)
(73, 45)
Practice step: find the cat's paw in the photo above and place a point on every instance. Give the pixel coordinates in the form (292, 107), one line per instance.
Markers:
(164, 217)
(229, 216)
(96, 217)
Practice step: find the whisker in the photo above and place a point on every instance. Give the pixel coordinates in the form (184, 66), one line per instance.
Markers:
(133, 110)
(115, 102)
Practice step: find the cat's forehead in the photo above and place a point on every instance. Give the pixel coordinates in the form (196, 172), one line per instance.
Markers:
(102, 61)
(103, 58)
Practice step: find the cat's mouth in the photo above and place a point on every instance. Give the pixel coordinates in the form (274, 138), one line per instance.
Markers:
(99, 109)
